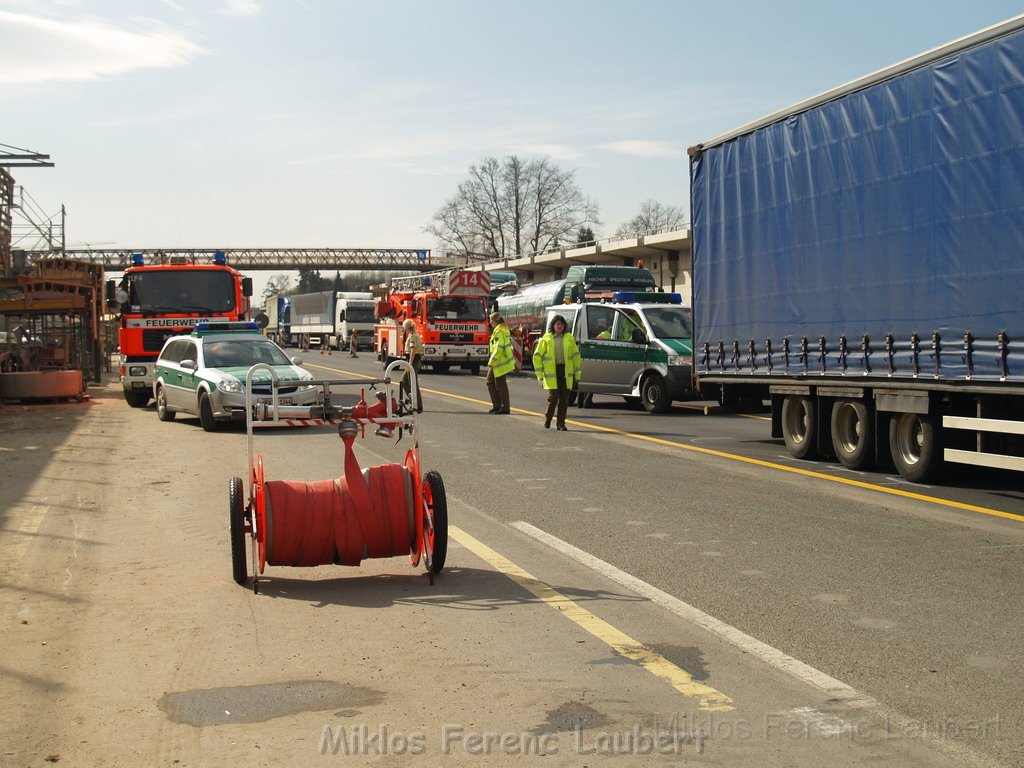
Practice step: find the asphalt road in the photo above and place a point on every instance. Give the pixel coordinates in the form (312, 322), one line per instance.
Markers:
(639, 576)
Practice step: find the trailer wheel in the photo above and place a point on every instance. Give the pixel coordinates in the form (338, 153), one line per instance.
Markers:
(237, 510)
(914, 442)
(798, 425)
(136, 398)
(654, 393)
(206, 413)
(852, 434)
(162, 411)
(435, 521)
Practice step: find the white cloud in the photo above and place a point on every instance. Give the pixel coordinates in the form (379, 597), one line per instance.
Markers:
(646, 148)
(34, 49)
(241, 8)
(554, 151)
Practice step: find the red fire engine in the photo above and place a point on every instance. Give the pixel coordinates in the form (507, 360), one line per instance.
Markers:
(157, 301)
(449, 309)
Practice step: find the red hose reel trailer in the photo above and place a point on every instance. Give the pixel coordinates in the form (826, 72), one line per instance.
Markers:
(382, 511)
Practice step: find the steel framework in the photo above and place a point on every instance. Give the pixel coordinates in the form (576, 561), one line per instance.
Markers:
(267, 258)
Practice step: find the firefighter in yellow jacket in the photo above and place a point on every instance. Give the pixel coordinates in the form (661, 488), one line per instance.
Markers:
(501, 363)
(556, 359)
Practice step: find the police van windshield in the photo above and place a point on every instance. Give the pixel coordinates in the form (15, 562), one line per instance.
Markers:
(670, 322)
(456, 308)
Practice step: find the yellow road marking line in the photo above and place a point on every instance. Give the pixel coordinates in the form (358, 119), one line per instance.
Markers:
(709, 699)
(761, 463)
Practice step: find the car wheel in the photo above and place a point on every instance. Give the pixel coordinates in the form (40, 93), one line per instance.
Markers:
(206, 413)
(654, 394)
(162, 412)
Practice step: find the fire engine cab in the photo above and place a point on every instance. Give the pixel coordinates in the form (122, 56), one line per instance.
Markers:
(449, 310)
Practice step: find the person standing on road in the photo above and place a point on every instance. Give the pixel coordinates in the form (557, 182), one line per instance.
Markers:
(501, 363)
(353, 343)
(556, 359)
(414, 354)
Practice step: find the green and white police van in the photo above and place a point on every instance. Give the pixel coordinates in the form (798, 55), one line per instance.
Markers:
(637, 345)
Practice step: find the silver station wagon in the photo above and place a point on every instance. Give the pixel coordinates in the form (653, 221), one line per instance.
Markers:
(203, 374)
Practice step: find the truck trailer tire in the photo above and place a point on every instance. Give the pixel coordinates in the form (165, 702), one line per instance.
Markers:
(852, 434)
(799, 425)
(654, 394)
(136, 398)
(914, 440)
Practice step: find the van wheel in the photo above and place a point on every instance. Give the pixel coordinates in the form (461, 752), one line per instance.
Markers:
(206, 413)
(799, 422)
(162, 412)
(654, 393)
(914, 441)
(852, 434)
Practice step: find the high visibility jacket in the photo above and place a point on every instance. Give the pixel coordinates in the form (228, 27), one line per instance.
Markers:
(544, 361)
(502, 361)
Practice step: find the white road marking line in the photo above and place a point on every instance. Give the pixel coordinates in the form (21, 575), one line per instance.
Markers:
(836, 689)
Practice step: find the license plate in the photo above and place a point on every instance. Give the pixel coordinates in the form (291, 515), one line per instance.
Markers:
(280, 401)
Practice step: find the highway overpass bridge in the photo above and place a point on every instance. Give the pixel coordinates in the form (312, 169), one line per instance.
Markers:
(666, 253)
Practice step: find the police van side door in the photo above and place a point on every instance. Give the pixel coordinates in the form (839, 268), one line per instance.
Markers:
(601, 355)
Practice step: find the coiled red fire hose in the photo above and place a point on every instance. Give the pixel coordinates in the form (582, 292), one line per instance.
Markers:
(361, 515)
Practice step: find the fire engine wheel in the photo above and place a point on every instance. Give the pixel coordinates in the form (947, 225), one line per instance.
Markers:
(162, 411)
(474, 369)
(435, 522)
(206, 413)
(237, 510)
(137, 398)
(440, 367)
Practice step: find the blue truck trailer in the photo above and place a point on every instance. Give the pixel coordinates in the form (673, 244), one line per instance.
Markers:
(858, 258)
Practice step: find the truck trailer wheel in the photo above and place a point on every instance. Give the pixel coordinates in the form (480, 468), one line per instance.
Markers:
(654, 394)
(136, 398)
(799, 424)
(914, 441)
(852, 434)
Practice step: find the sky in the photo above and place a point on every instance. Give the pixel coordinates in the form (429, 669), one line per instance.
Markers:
(337, 123)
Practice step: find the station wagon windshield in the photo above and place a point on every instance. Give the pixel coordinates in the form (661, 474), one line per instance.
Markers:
(233, 354)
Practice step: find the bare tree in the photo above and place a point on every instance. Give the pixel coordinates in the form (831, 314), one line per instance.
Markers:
(277, 285)
(653, 216)
(512, 206)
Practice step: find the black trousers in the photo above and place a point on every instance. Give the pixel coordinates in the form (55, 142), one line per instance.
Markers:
(558, 399)
(406, 388)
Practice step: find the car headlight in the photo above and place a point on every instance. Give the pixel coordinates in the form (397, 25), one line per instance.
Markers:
(678, 360)
(231, 385)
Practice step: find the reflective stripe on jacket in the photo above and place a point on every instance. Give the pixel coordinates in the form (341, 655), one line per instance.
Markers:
(502, 361)
(544, 361)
